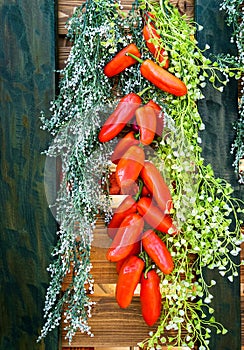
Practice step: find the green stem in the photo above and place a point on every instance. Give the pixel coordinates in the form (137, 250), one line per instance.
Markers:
(143, 91)
(136, 197)
(135, 57)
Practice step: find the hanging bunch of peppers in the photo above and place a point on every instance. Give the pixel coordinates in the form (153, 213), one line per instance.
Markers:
(135, 247)
(174, 207)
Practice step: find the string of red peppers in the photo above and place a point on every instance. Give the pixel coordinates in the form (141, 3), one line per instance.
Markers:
(135, 248)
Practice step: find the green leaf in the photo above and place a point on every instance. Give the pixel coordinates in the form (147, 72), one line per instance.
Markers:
(224, 331)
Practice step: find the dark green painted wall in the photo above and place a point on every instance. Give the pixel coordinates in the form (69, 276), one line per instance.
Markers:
(27, 228)
(219, 111)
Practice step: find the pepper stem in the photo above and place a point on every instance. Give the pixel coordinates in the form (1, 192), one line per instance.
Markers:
(144, 90)
(135, 57)
(136, 197)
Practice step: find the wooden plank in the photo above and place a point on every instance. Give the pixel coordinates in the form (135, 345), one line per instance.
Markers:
(185, 7)
(112, 325)
(28, 229)
(67, 8)
(103, 270)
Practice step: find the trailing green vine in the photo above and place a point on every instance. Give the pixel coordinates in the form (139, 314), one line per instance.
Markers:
(205, 212)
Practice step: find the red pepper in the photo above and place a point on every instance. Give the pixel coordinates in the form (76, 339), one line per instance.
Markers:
(129, 277)
(136, 250)
(122, 146)
(159, 116)
(124, 111)
(145, 192)
(161, 78)
(155, 183)
(121, 61)
(129, 168)
(148, 17)
(157, 251)
(126, 207)
(147, 122)
(153, 39)
(150, 297)
(128, 233)
(154, 216)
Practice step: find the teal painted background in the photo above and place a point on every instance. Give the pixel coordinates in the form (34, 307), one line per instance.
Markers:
(219, 111)
(27, 228)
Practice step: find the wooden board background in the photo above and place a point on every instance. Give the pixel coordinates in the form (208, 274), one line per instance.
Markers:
(104, 273)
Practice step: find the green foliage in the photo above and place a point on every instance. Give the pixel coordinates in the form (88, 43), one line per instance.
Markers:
(204, 209)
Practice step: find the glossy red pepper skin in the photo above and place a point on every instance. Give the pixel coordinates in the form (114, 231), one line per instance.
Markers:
(150, 297)
(128, 233)
(122, 114)
(150, 35)
(159, 116)
(162, 79)
(126, 207)
(129, 168)
(145, 192)
(121, 61)
(135, 251)
(155, 183)
(157, 251)
(123, 145)
(154, 216)
(147, 121)
(129, 277)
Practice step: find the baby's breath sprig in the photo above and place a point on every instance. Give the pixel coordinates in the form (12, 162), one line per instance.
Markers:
(80, 198)
(96, 30)
(84, 101)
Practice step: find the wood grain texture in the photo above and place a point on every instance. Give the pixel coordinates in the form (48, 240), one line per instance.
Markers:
(66, 9)
(28, 230)
(113, 326)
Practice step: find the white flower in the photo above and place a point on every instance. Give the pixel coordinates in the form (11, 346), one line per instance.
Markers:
(230, 278)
